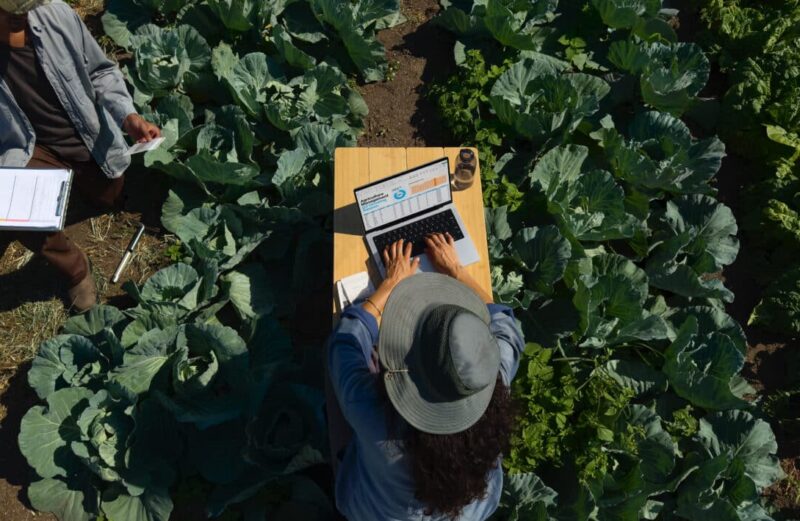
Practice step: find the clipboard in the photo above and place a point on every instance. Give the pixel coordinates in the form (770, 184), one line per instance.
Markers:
(34, 199)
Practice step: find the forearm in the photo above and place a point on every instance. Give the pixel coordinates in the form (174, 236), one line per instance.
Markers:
(376, 303)
(466, 279)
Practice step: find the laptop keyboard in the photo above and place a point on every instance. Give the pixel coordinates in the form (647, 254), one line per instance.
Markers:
(415, 232)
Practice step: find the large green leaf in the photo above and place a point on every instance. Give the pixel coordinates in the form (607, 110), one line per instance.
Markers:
(67, 360)
(172, 284)
(526, 498)
(538, 101)
(287, 49)
(76, 500)
(738, 435)
(47, 432)
(610, 300)
(514, 29)
(153, 505)
(142, 362)
(94, 321)
(590, 206)
(236, 15)
(625, 14)
(249, 291)
(700, 368)
(165, 58)
(674, 75)
(641, 378)
(543, 253)
(660, 155)
(122, 17)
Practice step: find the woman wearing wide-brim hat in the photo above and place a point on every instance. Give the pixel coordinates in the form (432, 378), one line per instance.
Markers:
(421, 372)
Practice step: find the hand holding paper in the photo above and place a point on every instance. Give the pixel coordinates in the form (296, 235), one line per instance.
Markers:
(138, 148)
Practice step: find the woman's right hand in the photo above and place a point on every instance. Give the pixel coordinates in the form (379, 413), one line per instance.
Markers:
(442, 253)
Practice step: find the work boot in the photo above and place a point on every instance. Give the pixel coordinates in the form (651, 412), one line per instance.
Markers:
(83, 295)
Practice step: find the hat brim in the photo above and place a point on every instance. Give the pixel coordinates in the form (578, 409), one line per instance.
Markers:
(408, 303)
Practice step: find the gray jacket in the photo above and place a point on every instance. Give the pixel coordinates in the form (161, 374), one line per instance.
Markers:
(89, 85)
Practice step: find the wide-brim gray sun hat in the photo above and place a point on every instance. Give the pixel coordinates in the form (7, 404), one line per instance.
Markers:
(21, 6)
(439, 358)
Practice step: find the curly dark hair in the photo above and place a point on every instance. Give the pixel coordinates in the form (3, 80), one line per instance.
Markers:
(450, 470)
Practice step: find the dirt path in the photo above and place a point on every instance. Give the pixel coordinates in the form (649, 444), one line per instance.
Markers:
(418, 53)
(769, 356)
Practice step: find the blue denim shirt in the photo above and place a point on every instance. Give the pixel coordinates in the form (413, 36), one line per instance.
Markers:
(374, 481)
(89, 85)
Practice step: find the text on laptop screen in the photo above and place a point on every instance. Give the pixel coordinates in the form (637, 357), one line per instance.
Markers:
(404, 195)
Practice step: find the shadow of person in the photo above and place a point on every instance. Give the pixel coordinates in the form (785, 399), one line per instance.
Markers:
(436, 46)
(35, 281)
(16, 400)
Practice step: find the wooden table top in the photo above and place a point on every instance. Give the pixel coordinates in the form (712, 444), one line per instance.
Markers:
(355, 167)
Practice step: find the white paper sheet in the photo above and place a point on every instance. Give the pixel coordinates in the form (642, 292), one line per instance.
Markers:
(354, 288)
(33, 199)
(138, 148)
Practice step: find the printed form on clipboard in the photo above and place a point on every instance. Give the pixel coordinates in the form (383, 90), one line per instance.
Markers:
(34, 199)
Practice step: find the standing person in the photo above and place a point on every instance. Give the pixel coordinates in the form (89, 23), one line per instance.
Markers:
(430, 412)
(63, 104)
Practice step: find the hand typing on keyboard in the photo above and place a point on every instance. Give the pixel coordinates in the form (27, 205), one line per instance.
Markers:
(415, 232)
(442, 253)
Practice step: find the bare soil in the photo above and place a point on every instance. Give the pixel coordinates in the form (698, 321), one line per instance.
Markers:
(419, 53)
(769, 356)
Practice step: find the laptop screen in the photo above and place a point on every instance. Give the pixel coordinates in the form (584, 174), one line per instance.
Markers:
(405, 194)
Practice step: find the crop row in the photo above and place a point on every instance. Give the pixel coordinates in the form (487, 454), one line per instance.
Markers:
(199, 385)
(608, 240)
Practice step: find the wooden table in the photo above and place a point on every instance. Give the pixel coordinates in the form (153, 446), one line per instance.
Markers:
(355, 167)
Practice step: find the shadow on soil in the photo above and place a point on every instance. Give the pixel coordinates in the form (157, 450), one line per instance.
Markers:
(436, 46)
(17, 399)
(31, 283)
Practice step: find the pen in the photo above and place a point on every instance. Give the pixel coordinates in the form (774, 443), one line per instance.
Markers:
(126, 257)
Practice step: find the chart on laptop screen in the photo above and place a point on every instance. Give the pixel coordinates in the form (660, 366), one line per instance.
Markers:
(405, 195)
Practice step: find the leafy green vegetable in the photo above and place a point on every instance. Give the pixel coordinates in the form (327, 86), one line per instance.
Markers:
(780, 306)
(540, 102)
(671, 75)
(660, 155)
(588, 204)
(629, 344)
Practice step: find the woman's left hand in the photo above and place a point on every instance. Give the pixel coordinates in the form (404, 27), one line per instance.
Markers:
(398, 262)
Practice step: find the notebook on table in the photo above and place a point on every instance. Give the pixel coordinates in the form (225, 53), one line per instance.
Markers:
(34, 199)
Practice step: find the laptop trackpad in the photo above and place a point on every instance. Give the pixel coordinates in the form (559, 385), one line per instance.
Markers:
(426, 266)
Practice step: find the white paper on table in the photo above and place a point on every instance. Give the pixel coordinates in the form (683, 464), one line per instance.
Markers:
(138, 148)
(33, 198)
(354, 288)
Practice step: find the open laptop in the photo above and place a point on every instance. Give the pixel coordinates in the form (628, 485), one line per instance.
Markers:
(409, 206)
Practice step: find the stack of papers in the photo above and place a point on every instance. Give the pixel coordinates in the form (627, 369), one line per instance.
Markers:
(34, 199)
(354, 289)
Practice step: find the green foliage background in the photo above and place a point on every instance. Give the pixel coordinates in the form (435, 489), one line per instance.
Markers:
(605, 237)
